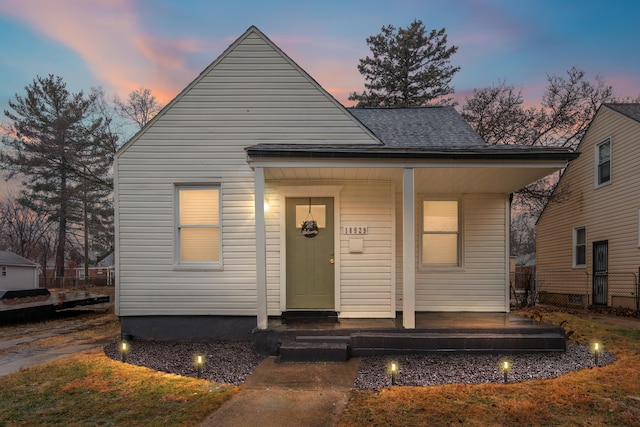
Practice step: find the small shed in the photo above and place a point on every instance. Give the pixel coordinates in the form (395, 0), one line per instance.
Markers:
(16, 272)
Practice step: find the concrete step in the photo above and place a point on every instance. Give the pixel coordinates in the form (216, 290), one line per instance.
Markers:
(366, 343)
(319, 351)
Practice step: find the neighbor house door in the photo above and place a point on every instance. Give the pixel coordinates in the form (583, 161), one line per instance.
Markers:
(600, 273)
(310, 260)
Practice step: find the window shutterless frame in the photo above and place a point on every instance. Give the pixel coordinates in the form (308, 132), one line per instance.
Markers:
(579, 247)
(441, 232)
(197, 230)
(603, 162)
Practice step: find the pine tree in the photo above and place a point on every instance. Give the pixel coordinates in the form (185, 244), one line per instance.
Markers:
(409, 68)
(57, 146)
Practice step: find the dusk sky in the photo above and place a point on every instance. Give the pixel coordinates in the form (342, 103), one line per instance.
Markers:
(163, 45)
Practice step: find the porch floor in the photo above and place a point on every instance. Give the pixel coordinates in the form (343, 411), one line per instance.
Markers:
(424, 320)
(434, 332)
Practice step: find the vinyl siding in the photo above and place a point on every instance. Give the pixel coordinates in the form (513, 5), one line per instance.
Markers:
(366, 279)
(252, 94)
(609, 212)
(480, 283)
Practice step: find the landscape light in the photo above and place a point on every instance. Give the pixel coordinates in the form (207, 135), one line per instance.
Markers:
(124, 347)
(199, 363)
(394, 372)
(505, 369)
(596, 351)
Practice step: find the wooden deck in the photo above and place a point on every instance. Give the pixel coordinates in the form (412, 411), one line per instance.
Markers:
(37, 306)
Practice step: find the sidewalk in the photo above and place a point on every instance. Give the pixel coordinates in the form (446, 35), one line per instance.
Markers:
(289, 394)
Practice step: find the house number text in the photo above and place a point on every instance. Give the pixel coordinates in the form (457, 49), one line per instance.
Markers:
(354, 229)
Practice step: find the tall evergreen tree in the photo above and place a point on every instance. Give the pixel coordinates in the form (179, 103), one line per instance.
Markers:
(409, 68)
(57, 146)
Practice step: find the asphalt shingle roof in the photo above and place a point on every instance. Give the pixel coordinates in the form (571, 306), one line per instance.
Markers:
(629, 110)
(9, 258)
(435, 127)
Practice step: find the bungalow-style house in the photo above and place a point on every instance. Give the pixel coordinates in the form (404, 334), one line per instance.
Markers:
(254, 194)
(17, 273)
(593, 228)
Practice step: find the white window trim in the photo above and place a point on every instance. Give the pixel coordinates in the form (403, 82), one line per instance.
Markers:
(574, 244)
(597, 164)
(442, 267)
(195, 265)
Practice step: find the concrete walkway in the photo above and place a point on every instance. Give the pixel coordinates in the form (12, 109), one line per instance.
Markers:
(289, 394)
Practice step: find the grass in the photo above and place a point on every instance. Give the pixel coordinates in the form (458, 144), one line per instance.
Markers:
(608, 395)
(89, 389)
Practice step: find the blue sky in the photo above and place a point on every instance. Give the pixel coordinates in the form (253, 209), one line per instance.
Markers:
(122, 45)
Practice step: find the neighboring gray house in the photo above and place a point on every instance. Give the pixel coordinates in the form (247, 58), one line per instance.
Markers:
(255, 193)
(17, 273)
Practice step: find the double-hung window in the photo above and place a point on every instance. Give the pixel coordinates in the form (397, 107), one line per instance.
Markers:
(3, 271)
(603, 162)
(580, 247)
(441, 232)
(198, 224)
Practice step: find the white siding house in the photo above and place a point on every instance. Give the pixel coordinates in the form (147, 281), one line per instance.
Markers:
(591, 232)
(17, 273)
(412, 208)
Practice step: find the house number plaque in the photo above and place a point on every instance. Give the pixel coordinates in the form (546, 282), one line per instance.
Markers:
(355, 229)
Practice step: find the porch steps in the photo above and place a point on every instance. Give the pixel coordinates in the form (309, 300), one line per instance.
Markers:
(313, 346)
(368, 343)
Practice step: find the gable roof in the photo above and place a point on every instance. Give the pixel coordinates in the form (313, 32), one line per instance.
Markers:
(9, 258)
(419, 127)
(249, 37)
(630, 110)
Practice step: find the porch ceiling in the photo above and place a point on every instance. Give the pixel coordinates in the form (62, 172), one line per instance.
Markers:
(443, 180)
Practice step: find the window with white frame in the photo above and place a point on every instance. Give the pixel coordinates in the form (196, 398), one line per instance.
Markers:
(198, 224)
(441, 232)
(580, 247)
(603, 162)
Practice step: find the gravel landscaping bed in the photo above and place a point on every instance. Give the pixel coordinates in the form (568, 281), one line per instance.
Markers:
(231, 362)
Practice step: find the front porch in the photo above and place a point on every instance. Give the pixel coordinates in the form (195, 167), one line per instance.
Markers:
(434, 333)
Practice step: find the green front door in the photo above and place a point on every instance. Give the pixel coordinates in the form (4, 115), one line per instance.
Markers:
(310, 260)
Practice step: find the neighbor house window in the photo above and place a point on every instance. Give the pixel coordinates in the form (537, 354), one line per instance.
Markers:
(579, 247)
(3, 271)
(603, 162)
(198, 224)
(441, 232)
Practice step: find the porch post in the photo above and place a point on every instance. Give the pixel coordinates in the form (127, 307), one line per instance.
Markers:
(261, 249)
(408, 251)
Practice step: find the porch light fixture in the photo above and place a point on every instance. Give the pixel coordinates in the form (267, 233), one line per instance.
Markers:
(124, 348)
(267, 205)
(505, 369)
(394, 372)
(596, 351)
(199, 364)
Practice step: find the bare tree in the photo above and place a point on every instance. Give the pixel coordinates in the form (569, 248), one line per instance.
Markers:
(499, 115)
(140, 107)
(25, 231)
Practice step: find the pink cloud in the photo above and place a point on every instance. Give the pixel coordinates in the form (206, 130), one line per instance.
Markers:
(108, 37)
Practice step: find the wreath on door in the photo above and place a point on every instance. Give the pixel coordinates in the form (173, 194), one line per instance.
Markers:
(309, 226)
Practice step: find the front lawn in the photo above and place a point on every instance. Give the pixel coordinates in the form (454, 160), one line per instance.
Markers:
(608, 395)
(89, 389)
